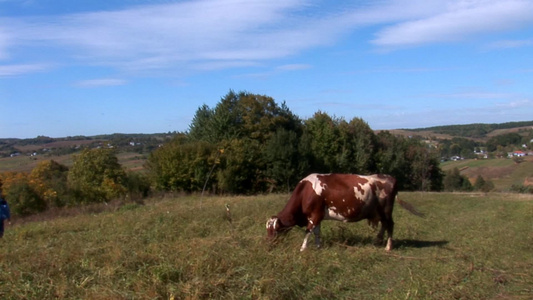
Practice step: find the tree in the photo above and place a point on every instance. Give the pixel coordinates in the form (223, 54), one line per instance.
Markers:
(454, 181)
(241, 168)
(49, 179)
(23, 199)
(281, 156)
(411, 162)
(358, 144)
(504, 140)
(241, 115)
(323, 137)
(483, 185)
(182, 165)
(20, 194)
(96, 176)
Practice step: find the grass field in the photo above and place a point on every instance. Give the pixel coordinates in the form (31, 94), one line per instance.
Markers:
(469, 246)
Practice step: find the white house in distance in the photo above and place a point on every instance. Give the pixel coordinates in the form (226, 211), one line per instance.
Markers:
(517, 153)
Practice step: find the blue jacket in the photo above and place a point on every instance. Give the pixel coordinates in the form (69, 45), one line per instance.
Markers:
(4, 210)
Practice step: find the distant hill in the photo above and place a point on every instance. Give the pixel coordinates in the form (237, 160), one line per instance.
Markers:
(477, 130)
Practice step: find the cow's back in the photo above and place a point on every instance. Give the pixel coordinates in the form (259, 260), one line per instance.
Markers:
(344, 197)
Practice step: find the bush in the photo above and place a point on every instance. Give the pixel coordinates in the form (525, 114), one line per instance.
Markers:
(520, 188)
(454, 181)
(483, 185)
(24, 200)
(137, 185)
(96, 176)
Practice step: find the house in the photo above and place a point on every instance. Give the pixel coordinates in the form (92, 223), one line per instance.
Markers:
(517, 153)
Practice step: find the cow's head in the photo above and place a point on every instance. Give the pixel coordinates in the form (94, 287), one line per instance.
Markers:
(273, 226)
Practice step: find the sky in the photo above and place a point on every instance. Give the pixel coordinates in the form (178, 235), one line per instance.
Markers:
(90, 67)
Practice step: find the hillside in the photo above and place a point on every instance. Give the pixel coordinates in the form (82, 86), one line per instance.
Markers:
(476, 131)
(503, 172)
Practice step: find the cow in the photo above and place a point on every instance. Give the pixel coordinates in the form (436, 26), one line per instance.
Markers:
(341, 197)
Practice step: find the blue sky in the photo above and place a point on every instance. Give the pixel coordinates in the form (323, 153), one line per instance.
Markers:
(91, 67)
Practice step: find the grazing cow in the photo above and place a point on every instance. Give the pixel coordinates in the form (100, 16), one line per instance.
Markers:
(341, 197)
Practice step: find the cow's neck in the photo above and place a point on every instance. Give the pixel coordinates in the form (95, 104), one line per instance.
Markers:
(292, 214)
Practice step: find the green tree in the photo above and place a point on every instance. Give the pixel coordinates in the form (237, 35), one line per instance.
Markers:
(242, 168)
(181, 165)
(483, 185)
(454, 181)
(20, 193)
(282, 158)
(242, 124)
(323, 138)
(357, 147)
(504, 140)
(24, 200)
(96, 176)
(411, 162)
(49, 179)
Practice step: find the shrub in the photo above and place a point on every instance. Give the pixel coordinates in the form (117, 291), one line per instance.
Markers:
(483, 185)
(454, 181)
(24, 200)
(520, 188)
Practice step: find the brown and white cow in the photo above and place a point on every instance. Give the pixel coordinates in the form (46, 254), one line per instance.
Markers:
(341, 197)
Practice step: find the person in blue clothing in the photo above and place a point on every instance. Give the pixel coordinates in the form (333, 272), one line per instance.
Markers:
(5, 214)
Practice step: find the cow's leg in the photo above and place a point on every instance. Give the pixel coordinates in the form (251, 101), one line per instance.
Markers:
(312, 227)
(304, 244)
(386, 224)
(316, 232)
(381, 233)
(390, 229)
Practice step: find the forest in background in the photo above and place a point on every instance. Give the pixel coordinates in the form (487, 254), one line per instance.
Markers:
(246, 144)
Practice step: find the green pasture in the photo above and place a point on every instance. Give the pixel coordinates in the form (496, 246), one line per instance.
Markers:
(503, 172)
(469, 246)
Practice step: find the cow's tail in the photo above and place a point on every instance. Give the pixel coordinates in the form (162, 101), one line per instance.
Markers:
(409, 207)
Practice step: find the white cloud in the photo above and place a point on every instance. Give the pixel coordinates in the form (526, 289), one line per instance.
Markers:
(217, 34)
(16, 70)
(521, 103)
(101, 82)
(159, 36)
(458, 21)
(293, 67)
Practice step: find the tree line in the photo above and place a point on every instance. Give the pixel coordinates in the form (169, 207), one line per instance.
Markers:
(250, 144)
(246, 144)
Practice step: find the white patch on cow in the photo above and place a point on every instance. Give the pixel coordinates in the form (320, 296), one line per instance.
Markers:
(389, 244)
(316, 183)
(366, 188)
(272, 223)
(331, 214)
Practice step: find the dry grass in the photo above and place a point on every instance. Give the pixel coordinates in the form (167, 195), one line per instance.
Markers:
(469, 246)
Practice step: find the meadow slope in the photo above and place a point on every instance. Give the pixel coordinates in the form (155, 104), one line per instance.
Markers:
(469, 246)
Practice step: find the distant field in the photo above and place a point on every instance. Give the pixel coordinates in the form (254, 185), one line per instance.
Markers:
(502, 172)
(469, 246)
(23, 163)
